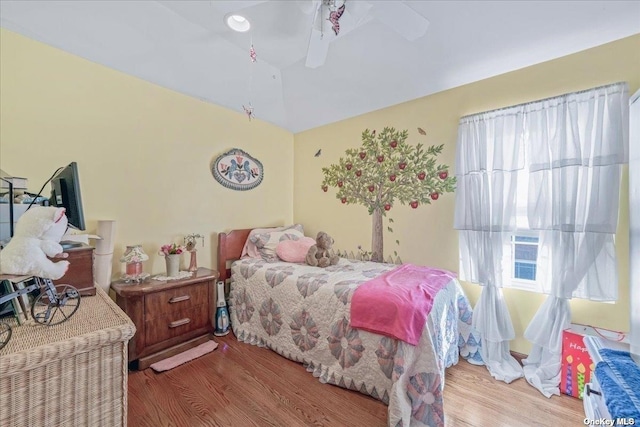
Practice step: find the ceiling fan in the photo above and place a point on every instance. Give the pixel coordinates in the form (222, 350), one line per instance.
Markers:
(335, 18)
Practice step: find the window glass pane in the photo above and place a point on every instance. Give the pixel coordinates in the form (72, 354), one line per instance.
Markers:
(526, 271)
(526, 252)
(526, 239)
(525, 256)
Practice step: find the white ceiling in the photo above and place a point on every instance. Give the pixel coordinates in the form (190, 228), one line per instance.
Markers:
(185, 46)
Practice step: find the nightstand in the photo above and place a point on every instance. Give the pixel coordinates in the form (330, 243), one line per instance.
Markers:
(170, 316)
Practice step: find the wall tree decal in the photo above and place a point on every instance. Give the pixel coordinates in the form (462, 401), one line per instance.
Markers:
(386, 170)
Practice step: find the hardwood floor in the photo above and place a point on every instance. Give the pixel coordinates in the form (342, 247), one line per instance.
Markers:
(244, 385)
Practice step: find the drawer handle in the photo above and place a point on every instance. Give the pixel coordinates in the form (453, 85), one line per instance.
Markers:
(180, 322)
(178, 299)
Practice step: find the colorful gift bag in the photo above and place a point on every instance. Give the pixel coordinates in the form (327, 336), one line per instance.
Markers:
(577, 366)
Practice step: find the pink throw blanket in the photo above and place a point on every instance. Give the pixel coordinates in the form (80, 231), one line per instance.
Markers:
(398, 302)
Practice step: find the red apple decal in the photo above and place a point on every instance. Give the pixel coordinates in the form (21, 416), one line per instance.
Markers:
(402, 165)
(392, 177)
(393, 143)
(443, 174)
(358, 172)
(387, 207)
(363, 154)
(349, 166)
(371, 188)
(343, 200)
(325, 188)
(340, 183)
(380, 159)
(414, 204)
(421, 176)
(435, 196)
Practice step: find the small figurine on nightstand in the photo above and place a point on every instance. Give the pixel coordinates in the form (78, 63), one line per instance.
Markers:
(190, 242)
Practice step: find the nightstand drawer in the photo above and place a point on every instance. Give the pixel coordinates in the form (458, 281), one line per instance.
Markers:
(176, 324)
(171, 301)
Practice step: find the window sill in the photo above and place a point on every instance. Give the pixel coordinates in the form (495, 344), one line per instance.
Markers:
(524, 285)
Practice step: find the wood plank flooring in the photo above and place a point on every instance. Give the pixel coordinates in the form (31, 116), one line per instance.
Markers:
(243, 385)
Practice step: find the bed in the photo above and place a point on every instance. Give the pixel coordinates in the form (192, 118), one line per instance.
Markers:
(303, 313)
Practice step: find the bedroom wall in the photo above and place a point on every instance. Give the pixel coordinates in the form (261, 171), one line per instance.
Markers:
(143, 151)
(426, 234)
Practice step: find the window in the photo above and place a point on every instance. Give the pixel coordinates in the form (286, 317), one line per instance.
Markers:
(522, 260)
(524, 253)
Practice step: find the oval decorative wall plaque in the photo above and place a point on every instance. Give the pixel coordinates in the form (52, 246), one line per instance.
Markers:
(237, 170)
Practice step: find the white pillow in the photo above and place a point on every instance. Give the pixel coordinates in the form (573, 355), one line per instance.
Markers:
(266, 243)
(251, 251)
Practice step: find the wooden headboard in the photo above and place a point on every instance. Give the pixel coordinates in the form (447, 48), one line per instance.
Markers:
(229, 249)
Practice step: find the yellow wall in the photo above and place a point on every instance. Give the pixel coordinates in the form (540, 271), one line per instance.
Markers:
(426, 234)
(143, 152)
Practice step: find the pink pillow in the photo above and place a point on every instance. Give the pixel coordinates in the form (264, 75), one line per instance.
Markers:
(294, 250)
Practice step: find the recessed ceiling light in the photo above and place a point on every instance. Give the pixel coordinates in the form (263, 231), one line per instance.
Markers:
(237, 23)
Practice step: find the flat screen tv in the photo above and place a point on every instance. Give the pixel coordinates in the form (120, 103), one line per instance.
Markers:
(65, 193)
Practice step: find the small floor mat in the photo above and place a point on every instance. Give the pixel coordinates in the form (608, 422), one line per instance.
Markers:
(184, 357)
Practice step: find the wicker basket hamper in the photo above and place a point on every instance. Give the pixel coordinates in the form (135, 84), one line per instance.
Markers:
(70, 374)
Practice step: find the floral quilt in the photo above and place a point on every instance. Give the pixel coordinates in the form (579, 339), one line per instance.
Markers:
(302, 313)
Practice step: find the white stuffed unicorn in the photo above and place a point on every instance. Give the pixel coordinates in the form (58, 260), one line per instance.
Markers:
(37, 236)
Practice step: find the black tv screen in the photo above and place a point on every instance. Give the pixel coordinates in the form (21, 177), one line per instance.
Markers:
(65, 193)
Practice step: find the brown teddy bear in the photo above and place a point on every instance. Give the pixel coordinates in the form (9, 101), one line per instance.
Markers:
(321, 254)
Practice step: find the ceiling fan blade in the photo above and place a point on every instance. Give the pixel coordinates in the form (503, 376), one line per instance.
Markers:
(355, 14)
(308, 6)
(401, 18)
(318, 49)
(356, 11)
(322, 33)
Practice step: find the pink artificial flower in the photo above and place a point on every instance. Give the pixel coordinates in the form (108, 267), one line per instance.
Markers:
(171, 249)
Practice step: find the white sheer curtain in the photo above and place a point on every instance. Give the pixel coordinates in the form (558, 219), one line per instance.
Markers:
(576, 145)
(490, 152)
(572, 148)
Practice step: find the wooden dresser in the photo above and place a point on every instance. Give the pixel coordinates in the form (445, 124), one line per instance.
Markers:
(170, 316)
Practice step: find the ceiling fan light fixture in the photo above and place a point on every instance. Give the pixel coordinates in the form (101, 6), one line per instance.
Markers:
(237, 22)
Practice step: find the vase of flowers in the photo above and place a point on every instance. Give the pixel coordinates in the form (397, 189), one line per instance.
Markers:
(172, 253)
